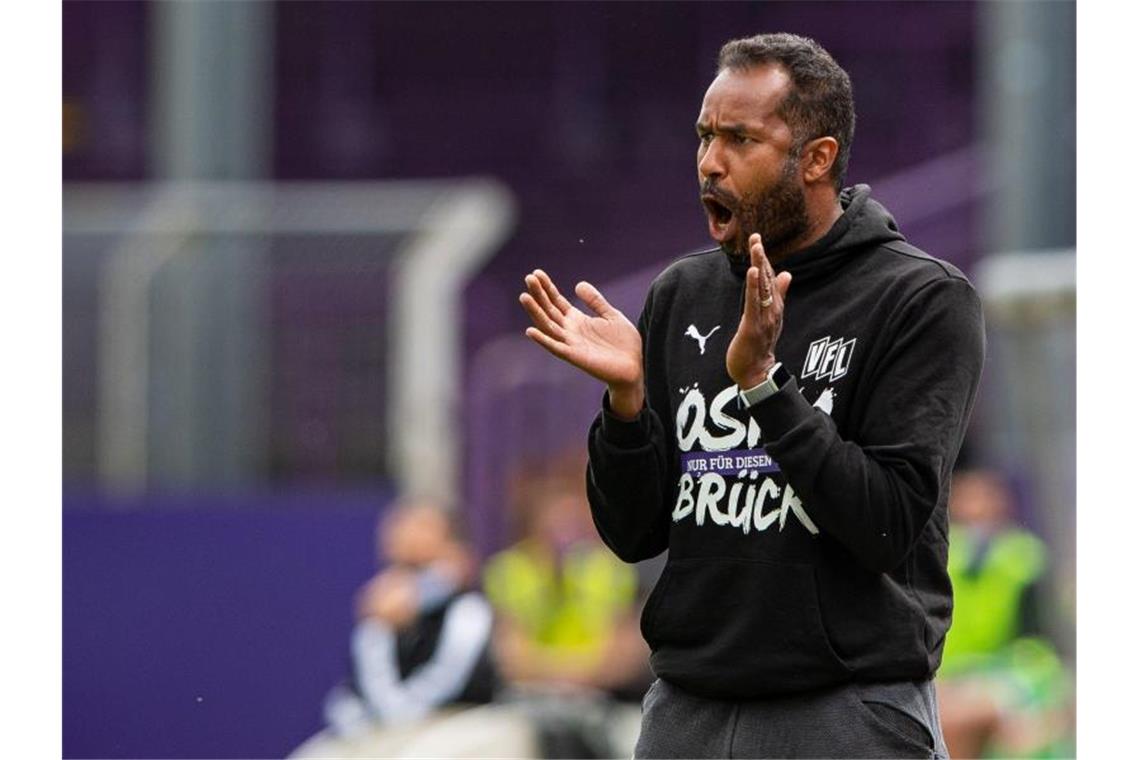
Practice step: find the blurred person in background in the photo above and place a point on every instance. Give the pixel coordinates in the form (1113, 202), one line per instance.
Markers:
(783, 419)
(566, 633)
(422, 640)
(1002, 689)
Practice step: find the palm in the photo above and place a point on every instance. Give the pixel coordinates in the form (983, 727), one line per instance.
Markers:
(606, 345)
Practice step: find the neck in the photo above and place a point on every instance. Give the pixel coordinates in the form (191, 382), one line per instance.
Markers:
(822, 215)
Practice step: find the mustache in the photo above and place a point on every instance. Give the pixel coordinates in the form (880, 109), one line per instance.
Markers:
(719, 195)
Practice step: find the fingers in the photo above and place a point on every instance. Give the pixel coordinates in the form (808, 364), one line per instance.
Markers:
(539, 293)
(554, 305)
(541, 317)
(783, 282)
(752, 308)
(547, 308)
(544, 305)
(593, 298)
(556, 299)
(760, 262)
(765, 291)
(771, 285)
(756, 250)
(555, 347)
(759, 275)
(760, 258)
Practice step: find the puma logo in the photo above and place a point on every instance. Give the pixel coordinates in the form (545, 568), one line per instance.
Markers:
(700, 339)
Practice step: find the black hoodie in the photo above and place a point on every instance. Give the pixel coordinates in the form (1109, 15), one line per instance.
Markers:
(807, 535)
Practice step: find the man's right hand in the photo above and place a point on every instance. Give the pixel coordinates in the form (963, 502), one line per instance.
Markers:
(389, 597)
(607, 346)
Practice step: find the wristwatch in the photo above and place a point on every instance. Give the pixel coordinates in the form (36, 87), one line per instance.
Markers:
(777, 376)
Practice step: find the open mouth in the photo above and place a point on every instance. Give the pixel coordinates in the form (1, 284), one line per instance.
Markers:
(721, 218)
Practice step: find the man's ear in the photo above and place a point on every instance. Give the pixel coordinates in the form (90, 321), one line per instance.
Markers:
(817, 158)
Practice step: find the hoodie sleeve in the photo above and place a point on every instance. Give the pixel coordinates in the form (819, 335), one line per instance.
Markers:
(875, 492)
(628, 477)
(626, 483)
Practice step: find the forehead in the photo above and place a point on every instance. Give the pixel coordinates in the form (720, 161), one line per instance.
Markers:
(416, 519)
(750, 95)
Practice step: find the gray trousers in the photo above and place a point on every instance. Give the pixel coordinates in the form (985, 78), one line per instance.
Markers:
(884, 720)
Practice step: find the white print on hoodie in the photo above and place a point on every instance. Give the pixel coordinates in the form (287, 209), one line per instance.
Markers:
(721, 481)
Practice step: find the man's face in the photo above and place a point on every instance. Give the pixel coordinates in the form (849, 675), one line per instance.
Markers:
(980, 498)
(415, 537)
(749, 177)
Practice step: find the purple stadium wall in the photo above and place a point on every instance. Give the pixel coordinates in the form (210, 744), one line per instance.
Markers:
(207, 627)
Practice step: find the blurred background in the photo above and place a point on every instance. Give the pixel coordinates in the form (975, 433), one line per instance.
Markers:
(294, 235)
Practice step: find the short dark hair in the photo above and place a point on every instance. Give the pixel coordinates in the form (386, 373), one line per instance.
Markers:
(820, 103)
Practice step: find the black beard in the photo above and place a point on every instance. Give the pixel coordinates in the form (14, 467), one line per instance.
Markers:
(779, 214)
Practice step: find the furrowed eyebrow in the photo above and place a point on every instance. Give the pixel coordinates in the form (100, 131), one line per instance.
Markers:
(732, 129)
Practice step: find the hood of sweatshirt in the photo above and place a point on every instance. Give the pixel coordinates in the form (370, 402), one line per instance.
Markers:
(865, 223)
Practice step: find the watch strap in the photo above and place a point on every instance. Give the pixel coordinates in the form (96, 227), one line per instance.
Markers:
(775, 380)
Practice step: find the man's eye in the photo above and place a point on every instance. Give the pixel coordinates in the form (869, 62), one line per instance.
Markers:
(704, 137)
(740, 139)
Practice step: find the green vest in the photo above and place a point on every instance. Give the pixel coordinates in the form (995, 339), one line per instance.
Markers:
(572, 608)
(987, 604)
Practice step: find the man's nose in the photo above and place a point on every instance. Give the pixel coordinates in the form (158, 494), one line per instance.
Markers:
(711, 163)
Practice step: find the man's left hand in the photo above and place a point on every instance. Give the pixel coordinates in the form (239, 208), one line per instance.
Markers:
(752, 351)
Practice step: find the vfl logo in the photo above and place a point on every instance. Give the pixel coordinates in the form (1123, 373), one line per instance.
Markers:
(828, 359)
(700, 339)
